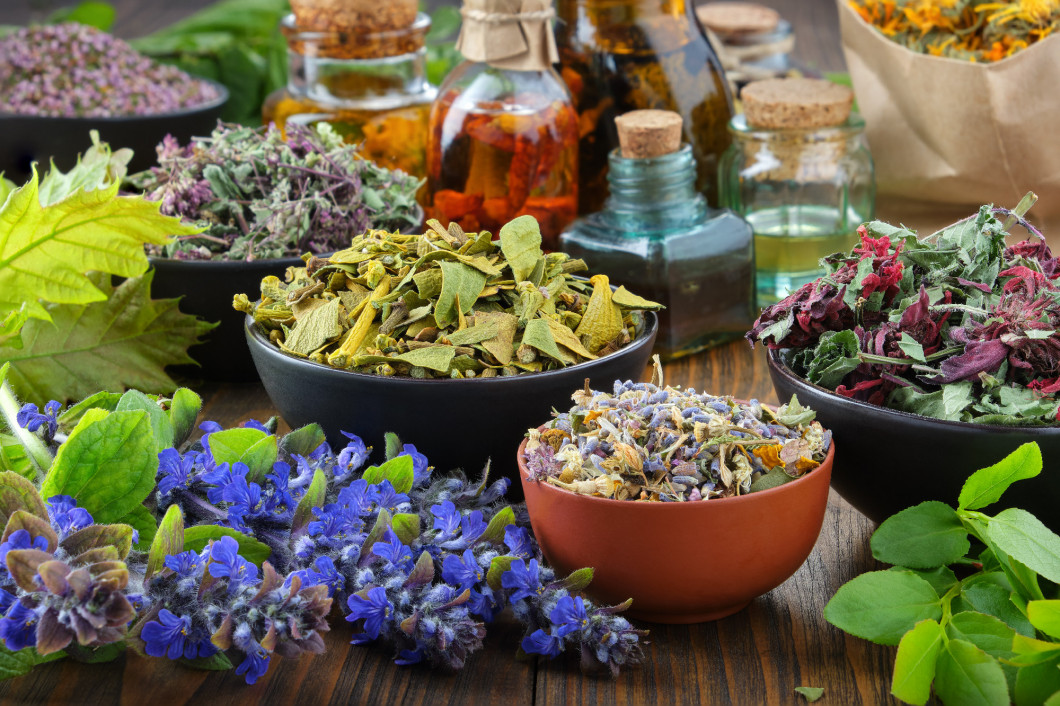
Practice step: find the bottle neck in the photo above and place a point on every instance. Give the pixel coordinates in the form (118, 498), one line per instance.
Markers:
(649, 27)
(659, 190)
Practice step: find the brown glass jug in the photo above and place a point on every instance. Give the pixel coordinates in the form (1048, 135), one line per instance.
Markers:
(623, 55)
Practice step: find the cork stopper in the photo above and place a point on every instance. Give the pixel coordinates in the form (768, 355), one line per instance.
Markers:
(360, 16)
(643, 134)
(734, 19)
(796, 103)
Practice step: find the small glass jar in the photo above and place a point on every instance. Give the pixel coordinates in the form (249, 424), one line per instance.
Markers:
(503, 143)
(658, 237)
(804, 191)
(370, 86)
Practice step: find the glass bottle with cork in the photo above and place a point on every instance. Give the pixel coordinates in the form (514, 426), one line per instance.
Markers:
(503, 131)
(799, 170)
(657, 236)
(624, 55)
(359, 65)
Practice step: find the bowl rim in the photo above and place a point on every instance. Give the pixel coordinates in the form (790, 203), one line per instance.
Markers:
(520, 459)
(223, 94)
(651, 328)
(774, 361)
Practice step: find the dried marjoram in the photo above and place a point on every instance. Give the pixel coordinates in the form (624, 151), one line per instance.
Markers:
(446, 304)
(652, 443)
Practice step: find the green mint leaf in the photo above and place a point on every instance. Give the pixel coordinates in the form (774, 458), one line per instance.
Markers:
(1038, 683)
(986, 632)
(914, 665)
(183, 411)
(196, 538)
(1029, 650)
(993, 599)
(253, 447)
(169, 539)
(16, 664)
(521, 245)
(883, 605)
(986, 486)
(927, 536)
(793, 413)
(1045, 615)
(161, 426)
(108, 464)
(1022, 536)
(835, 357)
(810, 693)
(434, 357)
(941, 578)
(955, 398)
(912, 348)
(302, 441)
(968, 676)
(461, 283)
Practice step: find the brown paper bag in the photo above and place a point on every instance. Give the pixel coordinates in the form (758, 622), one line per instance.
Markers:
(957, 132)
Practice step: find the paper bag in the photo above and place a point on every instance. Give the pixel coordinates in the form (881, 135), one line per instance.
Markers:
(958, 132)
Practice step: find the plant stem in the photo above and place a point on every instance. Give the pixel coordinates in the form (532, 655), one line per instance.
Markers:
(36, 450)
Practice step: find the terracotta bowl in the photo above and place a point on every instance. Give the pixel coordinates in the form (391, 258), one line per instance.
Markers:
(681, 562)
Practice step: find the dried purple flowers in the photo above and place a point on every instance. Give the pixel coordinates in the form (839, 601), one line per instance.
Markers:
(262, 196)
(955, 326)
(652, 443)
(72, 70)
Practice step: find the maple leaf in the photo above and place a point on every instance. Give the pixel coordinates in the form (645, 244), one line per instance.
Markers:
(124, 341)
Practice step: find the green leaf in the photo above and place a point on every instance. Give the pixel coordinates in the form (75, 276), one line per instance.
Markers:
(995, 600)
(11, 327)
(247, 445)
(775, 477)
(628, 300)
(968, 676)
(602, 321)
(538, 334)
(96, 536)
(108, 464)
(577, 580)
(107, 401)
(914, 666)
(834, 357)
(143, 522)
(1045, 615)
(1022, 536)
(941, 578)
(168, 540)
(521, 246)
(810, 693)
(46, 251)
(314, 497)
(1036, 683)
(161, 427)
(303, 441)
(912, 348)
(18, 493)
(183, 412)
(123, 341)
(397, 470)
(883, 605)
(406, 526)
(986, 486)
(216, 663)
(793, 413)
(96, 168)
(498, 566)
(315, 328)
(95, 655)
(94, 14)
(196, 538)
(394, 447)
(986, 632)
(922, 537)
(495, 530)
(459, 282)
(433, 357)
(16, 664)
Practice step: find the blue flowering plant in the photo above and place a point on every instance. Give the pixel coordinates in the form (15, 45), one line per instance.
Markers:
(121, 530)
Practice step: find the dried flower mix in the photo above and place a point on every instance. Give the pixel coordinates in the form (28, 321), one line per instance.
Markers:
(651, 443)
(954, 326)
(262, 196)
(962, 29)
(446, 304)
(72, 70)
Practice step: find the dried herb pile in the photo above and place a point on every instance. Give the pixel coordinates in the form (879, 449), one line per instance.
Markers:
(260, 196)
(446, 304)
(651, 443)
(955, 326)
(962, 29)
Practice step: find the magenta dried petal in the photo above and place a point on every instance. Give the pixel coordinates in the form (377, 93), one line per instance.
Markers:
(978, 357)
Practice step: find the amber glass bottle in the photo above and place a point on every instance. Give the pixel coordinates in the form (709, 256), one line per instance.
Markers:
(623, 55)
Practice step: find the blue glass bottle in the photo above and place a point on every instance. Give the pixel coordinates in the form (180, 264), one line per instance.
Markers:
(657, 236)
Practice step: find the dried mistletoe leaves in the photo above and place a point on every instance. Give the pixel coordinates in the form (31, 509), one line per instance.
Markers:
(446, 304)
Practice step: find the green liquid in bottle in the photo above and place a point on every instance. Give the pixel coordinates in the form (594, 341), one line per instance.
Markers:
(790, 241)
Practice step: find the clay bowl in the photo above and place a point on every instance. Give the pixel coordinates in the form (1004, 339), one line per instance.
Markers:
(25, 139)
(893, 460)
(455, 423)
(685, 562)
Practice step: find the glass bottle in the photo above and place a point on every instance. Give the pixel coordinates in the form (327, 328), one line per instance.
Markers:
(503, 141)
(804, 191)
(370, 85)
(658, 237)
(623, 55)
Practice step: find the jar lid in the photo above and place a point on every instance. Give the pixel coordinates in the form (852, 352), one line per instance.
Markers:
(727, 19)
(796, 103)
(644, 134)
(354, 15)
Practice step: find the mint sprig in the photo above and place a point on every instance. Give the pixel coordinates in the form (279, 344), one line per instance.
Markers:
(972, 601)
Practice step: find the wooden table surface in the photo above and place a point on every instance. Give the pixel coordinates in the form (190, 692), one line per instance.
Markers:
(757, 656)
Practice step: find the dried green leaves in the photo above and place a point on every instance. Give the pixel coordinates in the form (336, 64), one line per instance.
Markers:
(446, 304)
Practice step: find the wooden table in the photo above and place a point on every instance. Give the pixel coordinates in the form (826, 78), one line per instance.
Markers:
(757, 656)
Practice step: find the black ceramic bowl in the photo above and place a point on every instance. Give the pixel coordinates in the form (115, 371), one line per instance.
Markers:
(455, 423)
(892, 460)
(207, 288)
(25, 139)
